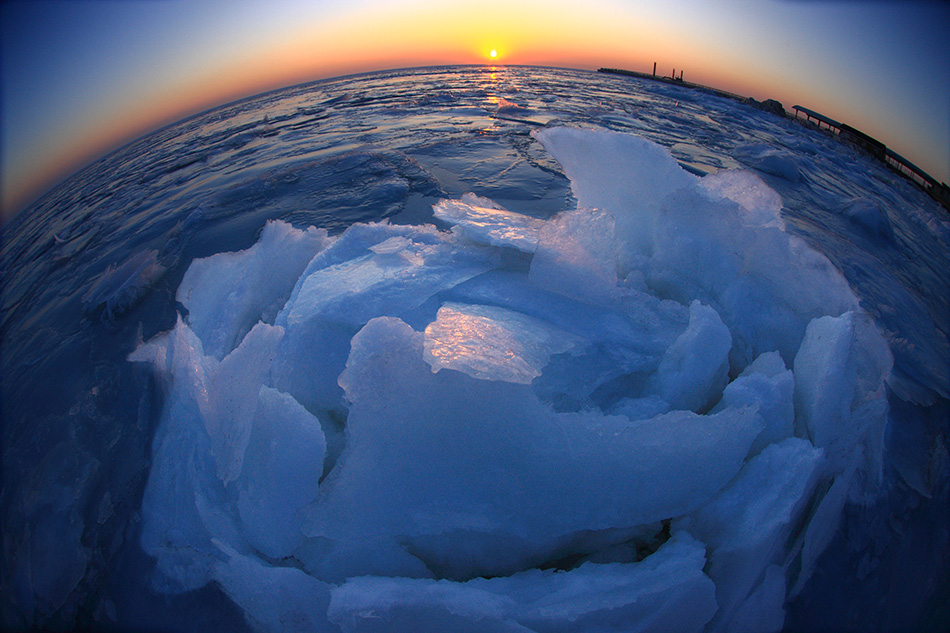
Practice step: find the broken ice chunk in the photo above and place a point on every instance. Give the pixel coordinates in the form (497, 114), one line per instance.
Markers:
(666, 592)
(393, 245)
(486, 222)
(492, 343)
(769, 385)
(468, 469)
(282, 468)
(747, 524)
(759, 204)
(625, 174)
(695, 368)
(199, 447)
(281, 599)
(233, 387)
(386, 278)
(577, 256)
(840, 399)
(228, 293)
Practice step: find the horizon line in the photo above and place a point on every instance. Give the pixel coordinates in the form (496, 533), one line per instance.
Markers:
(30, 200)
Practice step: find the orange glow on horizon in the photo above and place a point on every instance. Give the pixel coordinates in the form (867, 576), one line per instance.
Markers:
(376, 37)
(383, 36)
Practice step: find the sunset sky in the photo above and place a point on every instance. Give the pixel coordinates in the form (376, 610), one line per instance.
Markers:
(79, 78)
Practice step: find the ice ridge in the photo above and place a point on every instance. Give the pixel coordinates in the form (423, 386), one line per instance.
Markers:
(646, 412)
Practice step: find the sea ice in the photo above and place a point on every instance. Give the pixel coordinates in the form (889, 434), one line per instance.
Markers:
(53, 556)
(624, 174)
(624, 342)
(371, 270)
(366, 283)
(694, 370)
(228, 293)
(869, 216)
(576, 256)
(119, 288)
(483, 461)
(274, 598)
(770, 160)
(493, 343)
(759, 204)
(666, 592)
(747, 525)
(840, 399)
(214, 410)
(399, 427)
(484, 221)
(762, 611)
(280, 475)
(769, 385)
(765, 284)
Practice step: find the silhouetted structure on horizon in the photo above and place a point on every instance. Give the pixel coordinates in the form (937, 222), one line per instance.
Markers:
(939, 191)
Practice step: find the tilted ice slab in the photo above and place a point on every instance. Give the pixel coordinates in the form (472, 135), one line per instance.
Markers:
(382, 269)
(660, 393)
(716, 239)
(233, 460)
(371, 270)
(493, 343)
(484, 467)
(228, 293)
(486, 222)
(746, 528)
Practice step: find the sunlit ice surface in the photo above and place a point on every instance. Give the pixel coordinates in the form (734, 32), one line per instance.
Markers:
(481, 349)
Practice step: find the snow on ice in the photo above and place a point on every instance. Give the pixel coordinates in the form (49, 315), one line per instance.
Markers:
(646, 412)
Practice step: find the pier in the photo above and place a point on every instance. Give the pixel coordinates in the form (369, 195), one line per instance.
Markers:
(939, 191)
(673, 79)
(832, 125)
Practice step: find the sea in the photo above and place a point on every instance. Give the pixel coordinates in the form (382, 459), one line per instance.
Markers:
(90, 271)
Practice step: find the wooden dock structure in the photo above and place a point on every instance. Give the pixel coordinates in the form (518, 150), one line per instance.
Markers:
(937, 190)
(832, 125)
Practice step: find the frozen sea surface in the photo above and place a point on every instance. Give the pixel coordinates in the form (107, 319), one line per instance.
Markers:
(477, 349)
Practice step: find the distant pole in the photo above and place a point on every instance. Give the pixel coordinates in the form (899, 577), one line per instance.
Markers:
(673, 76)
(681, 75)
(654, 69)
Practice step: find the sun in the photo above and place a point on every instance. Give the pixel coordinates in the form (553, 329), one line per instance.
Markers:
(492, 52)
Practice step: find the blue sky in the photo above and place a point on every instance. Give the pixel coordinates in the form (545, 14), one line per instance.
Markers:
(80, 77)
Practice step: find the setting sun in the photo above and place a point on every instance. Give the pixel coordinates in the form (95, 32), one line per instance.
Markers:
(493, 53)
